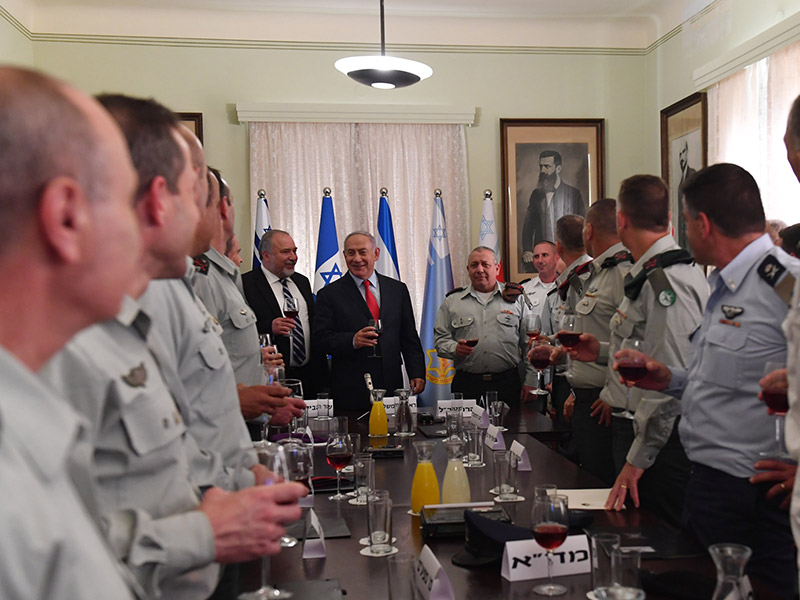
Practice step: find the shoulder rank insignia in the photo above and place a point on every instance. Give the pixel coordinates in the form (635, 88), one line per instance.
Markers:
(201, 264)
(511, 291)
(771, 270)
(654, 271)
(454, 291)
(562, 289)
(584, 268)
(620, 257)
(731, 312)
(137, 376)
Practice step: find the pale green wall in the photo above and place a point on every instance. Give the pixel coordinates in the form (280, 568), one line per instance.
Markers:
(211, 80)
(15, 47)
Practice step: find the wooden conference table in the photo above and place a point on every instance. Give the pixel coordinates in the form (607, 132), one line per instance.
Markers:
(365, 578)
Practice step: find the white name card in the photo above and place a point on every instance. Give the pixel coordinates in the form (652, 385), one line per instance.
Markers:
(524, 462)
(525, 559)
(322, 406)
(314, 548)
(480, 417)
(430, 578)
(390, 404)
(465, 406)
(494, 438)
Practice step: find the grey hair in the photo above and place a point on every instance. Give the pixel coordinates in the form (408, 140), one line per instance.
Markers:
(366, 234)
(484, 249)
(265, 243)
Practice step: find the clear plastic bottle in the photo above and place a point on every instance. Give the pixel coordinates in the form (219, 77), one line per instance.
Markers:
(455, 488)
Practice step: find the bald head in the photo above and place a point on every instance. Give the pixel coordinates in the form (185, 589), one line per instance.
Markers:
(44, 133)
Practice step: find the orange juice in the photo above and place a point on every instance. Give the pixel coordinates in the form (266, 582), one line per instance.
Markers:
(425, 487)
(378, 423)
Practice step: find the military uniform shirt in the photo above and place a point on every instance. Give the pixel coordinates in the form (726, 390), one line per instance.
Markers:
(50, 545)
(537, 291)
(145, 497)
(215, 283)
(723, 423)
(496, 325)
(186, 339)
(603, 290)
(791, 327)
(666, 331)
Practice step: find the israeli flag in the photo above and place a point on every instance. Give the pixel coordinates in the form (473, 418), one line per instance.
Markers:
(328, 268)
(489, 229)
(438, 282)
(387, 259)
(262, 225)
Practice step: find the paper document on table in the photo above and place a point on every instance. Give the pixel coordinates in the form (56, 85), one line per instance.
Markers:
(594, 499)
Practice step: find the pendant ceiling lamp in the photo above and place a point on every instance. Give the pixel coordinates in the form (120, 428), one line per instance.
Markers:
(383, 72)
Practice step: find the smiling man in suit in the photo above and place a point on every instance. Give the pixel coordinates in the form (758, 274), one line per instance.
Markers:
(341, 328)
(266, 289)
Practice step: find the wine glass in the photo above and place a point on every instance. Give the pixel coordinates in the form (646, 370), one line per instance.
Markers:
(378, 325)
(533, 326)
(339, 453)
(567, 335)
(776, 397)
(631, 369)
(274, 458)
(550, 523)
(290, 310)
(264, 340)
(540, 359)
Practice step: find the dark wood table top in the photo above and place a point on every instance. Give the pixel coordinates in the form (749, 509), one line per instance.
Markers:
(365, 578)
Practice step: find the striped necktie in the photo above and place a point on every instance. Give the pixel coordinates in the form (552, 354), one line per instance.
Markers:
(298, 338)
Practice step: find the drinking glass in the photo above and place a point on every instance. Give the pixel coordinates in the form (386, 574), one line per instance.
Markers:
(364, 477)
(539, 356)
(601, 546)
(625, 566)
(533, 327)
(545, 489)
(456, 396)
(292, 461)
(264, 340)
(290, 310)
(339, 453)
(379, 522)
(298, 423)
(401, 576)
(631, 369)
(324, 413)
(378, 325)
(505, 476)
(777, 399)
(403, 419)
(476, 437)
(568, 335)
(550, 523)
(496, 412)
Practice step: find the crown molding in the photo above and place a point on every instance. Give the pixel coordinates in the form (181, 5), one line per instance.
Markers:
(354, 113)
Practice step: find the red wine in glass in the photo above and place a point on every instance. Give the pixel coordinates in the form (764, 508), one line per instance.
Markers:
(471, 343)
(632, 371)
(532, 334)
(540, 364)
(550, 535)
(777, 400)
(569, 339)
(290, 314)
(339, 460)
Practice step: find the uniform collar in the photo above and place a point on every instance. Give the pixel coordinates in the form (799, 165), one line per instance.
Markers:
(471, 291)
(618, 247)
(43, 423)
(575, 263)
(537, 282)
(133, 315)
(223, 262)
(660, 245)
(735, 271)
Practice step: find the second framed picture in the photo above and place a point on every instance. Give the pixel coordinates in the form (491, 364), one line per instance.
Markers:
(550, 168)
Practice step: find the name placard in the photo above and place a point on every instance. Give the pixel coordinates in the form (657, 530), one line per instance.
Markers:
(430, 579)
(524, 462)
(480, 417)
(525, 559)
(390, 404)
(465, 406)
(494, 438)
(315, 547)
(322, 406)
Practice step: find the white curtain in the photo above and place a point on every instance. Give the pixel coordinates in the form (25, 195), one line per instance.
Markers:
(293, 162)
(747, 115)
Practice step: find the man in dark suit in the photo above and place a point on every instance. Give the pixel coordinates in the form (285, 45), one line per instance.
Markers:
(551, 200)
(344, 309)
(266, 289)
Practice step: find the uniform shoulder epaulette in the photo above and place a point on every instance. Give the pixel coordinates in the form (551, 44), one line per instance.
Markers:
(524, 281)
(201, 264)
(620, 257)
(583, 268)
(454, 291)
(553, 290)
(562, 289)
(770, 270)
(653, 271)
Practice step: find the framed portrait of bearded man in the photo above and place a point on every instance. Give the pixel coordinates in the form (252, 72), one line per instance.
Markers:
(550, 168)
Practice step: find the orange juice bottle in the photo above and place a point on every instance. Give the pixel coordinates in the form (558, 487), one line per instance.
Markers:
(425, 486)
(378, 422)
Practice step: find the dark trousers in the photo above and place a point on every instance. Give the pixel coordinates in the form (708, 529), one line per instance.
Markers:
(507, 384)
(592, 440)
(663, 485)
(560, 392)
(723, 508)
(228, 585)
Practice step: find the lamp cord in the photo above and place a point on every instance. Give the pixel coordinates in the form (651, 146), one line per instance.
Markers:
(383, 33)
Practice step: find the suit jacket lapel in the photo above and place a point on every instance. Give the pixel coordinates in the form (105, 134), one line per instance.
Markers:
(355, 296)
(263, 286)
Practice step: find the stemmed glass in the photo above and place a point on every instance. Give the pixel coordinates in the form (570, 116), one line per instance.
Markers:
(550, 523)
(295, 464)
(378, 325)
(298, 423)
(290, 310)
(567, 334)
(339, 453)
(533, 327)
(631, 369)
(776, 397)
(539, 356)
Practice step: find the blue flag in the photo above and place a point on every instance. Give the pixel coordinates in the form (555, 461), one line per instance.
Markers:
(262, 225)
(387, 260)
(438, 281)
(328, 267)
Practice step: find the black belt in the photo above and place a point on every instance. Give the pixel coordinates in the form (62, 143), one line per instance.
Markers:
(490, 376)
